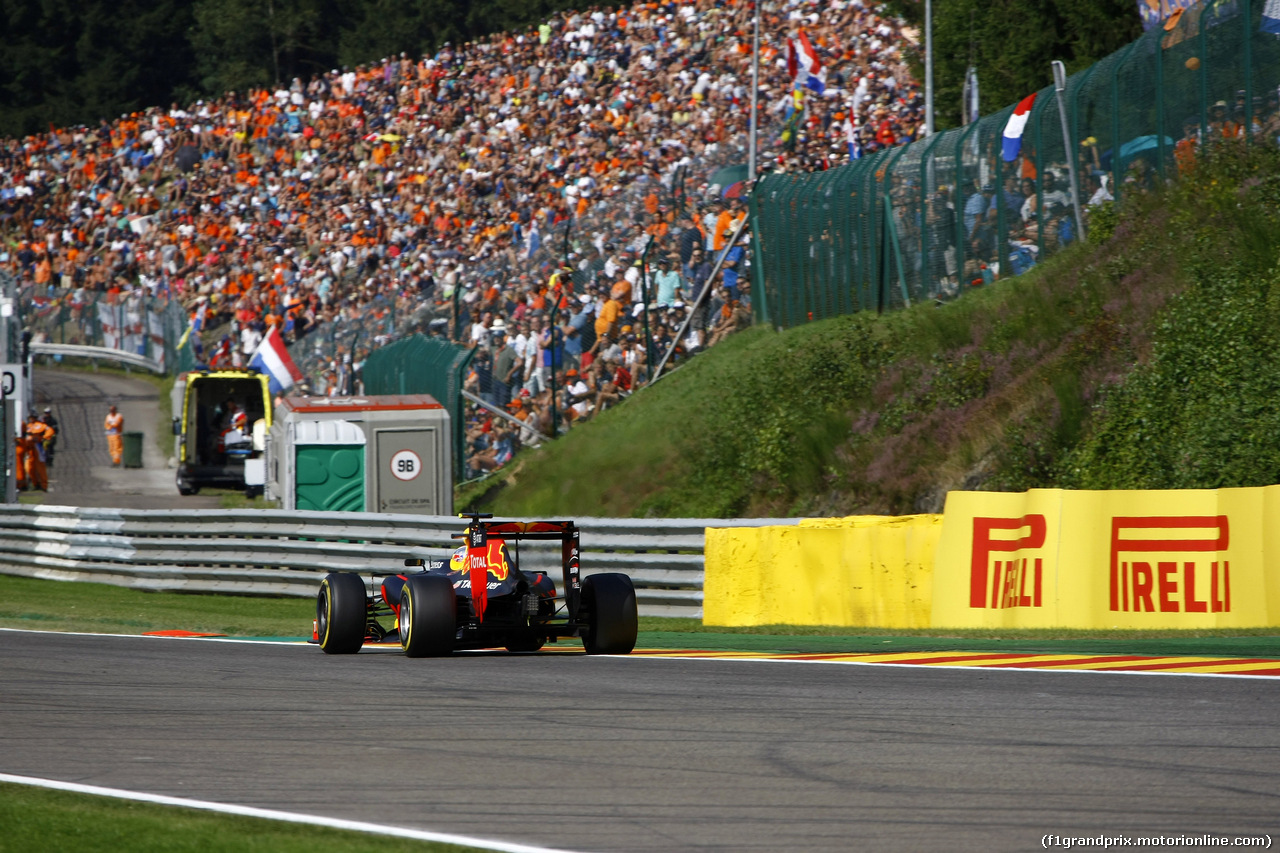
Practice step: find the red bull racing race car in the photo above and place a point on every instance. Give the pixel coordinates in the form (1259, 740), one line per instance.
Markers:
(481, 598)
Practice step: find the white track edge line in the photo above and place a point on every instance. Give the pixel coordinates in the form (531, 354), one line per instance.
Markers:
(272, 814)
(241, 640)
(659, 656)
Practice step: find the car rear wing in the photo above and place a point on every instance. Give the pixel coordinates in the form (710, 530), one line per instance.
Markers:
(482, 527)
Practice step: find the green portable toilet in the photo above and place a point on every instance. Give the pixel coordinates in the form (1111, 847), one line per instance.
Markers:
(328, 466)
(406, 463)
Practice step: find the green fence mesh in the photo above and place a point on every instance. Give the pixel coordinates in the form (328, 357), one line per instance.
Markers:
(422, 365)
(901, 226)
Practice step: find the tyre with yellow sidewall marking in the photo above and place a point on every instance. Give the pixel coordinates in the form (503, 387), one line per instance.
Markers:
(341, 613)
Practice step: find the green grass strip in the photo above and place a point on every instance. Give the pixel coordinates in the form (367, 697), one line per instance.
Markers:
(105, 609)
(40, 819)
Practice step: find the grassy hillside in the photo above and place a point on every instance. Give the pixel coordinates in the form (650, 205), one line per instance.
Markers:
(1146, 358)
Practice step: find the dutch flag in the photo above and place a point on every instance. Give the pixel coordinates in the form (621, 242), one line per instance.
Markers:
(273, 359)
(803, 65)
(1016, 125)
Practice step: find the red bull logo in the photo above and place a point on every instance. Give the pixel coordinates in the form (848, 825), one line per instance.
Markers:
(492, 558)
(1016, 582)
(1176, 585)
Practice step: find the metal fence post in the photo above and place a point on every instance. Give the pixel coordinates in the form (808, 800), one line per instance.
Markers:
(1068, 144)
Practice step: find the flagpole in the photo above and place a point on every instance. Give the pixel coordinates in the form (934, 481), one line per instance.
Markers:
(755, 94)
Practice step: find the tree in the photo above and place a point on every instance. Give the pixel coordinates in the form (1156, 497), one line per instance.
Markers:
(1012, 42)
(71, 63)
(242, 44)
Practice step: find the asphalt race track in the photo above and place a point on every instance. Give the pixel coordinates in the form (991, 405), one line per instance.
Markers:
(636, 754)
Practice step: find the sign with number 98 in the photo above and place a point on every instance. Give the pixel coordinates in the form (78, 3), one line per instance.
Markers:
(406, 465)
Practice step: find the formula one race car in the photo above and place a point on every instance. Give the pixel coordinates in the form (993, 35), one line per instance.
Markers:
(480, 599)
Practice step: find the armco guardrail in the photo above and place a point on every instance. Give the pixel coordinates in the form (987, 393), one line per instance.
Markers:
(98, 353)
(257, 552)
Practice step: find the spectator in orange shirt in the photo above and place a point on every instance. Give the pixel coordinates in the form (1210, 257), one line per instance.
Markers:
(114, 426)
(36, 434)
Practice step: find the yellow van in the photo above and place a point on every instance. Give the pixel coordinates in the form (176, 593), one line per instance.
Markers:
(222, 425)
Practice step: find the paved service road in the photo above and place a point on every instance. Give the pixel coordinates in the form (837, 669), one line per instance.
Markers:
(82, 474)
(649, 755)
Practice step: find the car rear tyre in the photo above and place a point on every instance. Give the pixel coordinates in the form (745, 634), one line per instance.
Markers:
(428, 616)
(341, 613)
(609, 602)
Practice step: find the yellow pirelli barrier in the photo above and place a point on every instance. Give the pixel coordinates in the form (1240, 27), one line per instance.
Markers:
(1117, 559)
(859, 571)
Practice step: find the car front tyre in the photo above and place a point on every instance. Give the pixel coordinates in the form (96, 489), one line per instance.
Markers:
(341, 613)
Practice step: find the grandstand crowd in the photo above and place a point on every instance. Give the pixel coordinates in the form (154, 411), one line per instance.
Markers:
(437, 192)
